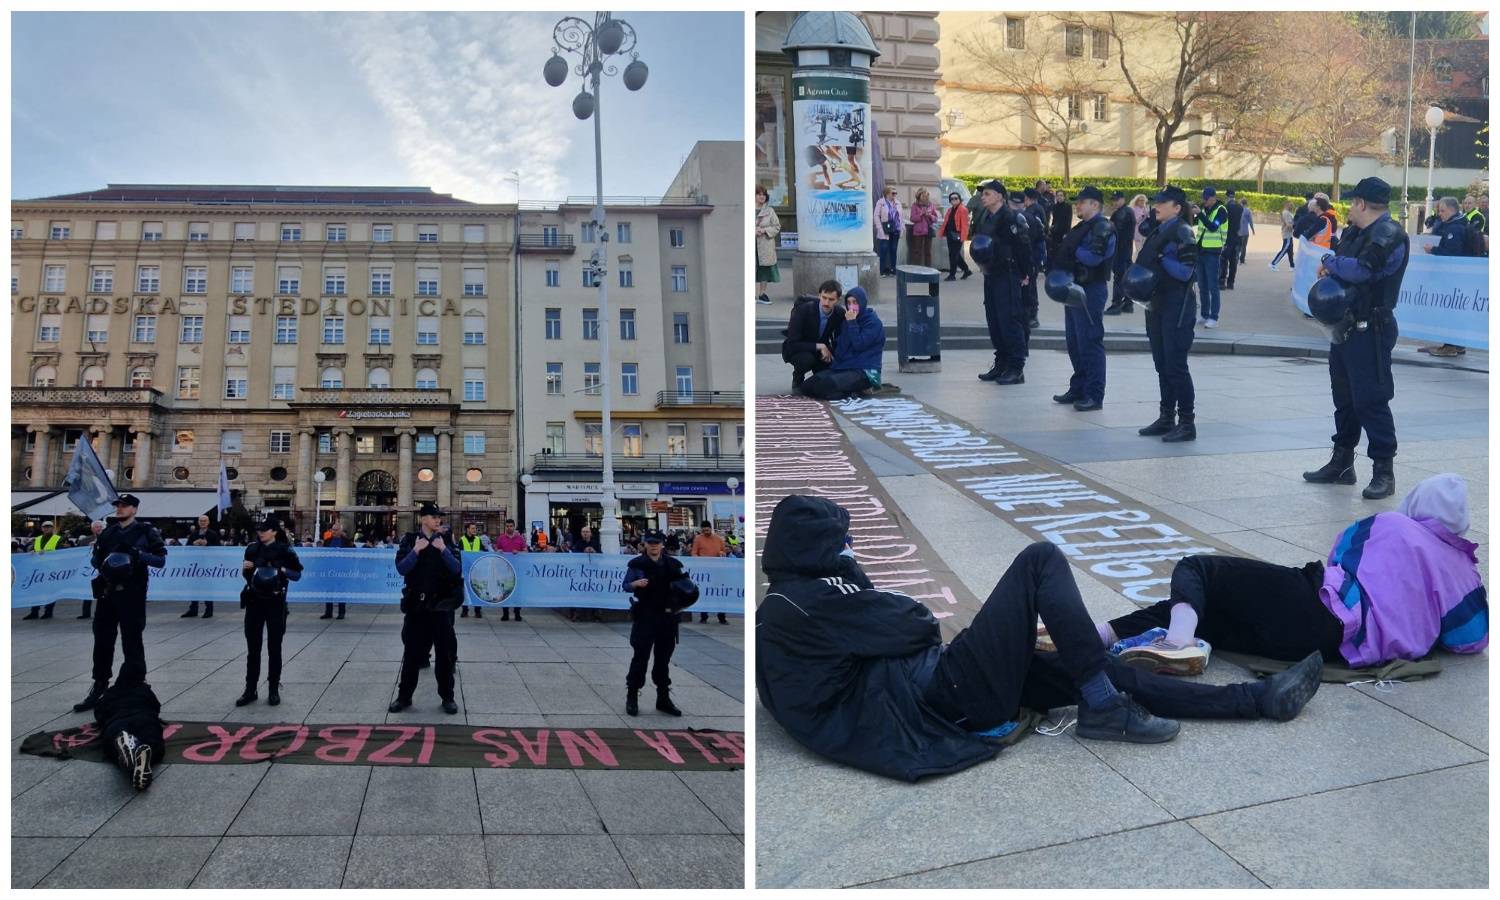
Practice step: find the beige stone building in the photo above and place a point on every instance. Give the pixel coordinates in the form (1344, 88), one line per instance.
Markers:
(363, 332)
(676, 285)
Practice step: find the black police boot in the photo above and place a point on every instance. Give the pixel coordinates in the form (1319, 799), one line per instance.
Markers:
(1338, 470)
(1383, 482)
(992, 374)
(1163, 424)
(341, 611)
(1068, 396)
(327, 612)
(273, 694)
(399, 704)
(450, 707)
(1185, 431)
(247, 697)
(208, 610)
(34, 614)
(88, 703)
(1011, 376)
(664, 702)
(1088, 404)
(632, 702)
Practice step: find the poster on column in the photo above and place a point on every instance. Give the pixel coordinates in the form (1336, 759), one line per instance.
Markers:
(830, 118)
(1443, 298)
(332, 575)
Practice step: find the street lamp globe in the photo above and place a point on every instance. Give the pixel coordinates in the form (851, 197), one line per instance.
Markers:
(583, 105)
(733, 483)
(555, 71)
(320, 476)
(1434, 117)
(635, 75)
(526, 480)
(610, 37)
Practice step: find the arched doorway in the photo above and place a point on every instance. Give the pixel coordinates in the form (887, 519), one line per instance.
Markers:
(375, 488)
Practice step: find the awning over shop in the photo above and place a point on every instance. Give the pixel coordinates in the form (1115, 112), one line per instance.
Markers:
(162, 503)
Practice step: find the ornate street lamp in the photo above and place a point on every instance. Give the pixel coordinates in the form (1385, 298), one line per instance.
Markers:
(1434, 120)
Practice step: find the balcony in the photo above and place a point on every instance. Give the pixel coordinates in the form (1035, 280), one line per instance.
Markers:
(78, 396)
(373, 397)
(650, 462)
(707, 399)
(545, 243)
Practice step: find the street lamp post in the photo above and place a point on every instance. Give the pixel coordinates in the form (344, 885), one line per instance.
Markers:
(594, 44)
(1434, 120)
(318, 478)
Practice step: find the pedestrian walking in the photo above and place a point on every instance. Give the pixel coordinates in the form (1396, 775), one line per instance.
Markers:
(434, 588)
(1002, 246)
(955, 229)
(924, 219)
(1125, 222)
(46, 542)
(1247, 228)
(1086, 255)
(1369, 264)
(270, 565)
(767, 227)
(472, 541)
(654, 613)
(121, 556)
(888, 228)
(1167, 263)
(1212, 222)
(1288, 223)
(200, 535)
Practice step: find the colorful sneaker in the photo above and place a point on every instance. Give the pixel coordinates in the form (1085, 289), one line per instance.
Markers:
(1044, 642)
(1139, 640)
(1168, 659)
(998, 732)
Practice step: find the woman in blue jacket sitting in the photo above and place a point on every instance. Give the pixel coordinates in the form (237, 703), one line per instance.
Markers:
(856, 360)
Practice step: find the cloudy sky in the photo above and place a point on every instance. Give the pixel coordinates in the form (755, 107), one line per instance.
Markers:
(454, 101)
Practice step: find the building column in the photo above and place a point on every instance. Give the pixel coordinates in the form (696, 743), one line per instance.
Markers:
(344, 484)
(142, 457)
(404, 476)
(41, 453)
(302, 498)
(445, 468)
(104, 444)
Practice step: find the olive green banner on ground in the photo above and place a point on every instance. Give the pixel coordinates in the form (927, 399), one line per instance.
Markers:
(445, 746)
(1119, 541)
(800, 449)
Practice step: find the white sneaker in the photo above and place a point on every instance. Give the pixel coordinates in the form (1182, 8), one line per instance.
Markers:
(1211, 323)
(1273, 268)
(1168, 659)
(1202, 321)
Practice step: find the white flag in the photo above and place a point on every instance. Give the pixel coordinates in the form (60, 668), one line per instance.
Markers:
(224, 498)
(87, 483)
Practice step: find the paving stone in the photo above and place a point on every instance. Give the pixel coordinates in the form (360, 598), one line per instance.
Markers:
(555, 862)
(1433, 833)
(721, 792)
(27, 772)
(648, 803)
(419, 802)
(416, 861)
(72, 803)
(301, 862)
(132, 862)
(699, 861)
(304, 800)
(542, 801)
(32, 858)
(187, 800)
(1456, 703)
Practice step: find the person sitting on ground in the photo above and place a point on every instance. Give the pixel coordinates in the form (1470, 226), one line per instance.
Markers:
(863, 677)
(812, 333)
(857, 358)
(1396, 585)
(129, 718)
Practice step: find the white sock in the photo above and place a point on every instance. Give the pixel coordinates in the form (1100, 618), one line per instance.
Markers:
(1180, 631)
(1106, 634)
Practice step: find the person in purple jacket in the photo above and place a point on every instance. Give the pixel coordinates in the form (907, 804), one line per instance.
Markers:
(1395, 585)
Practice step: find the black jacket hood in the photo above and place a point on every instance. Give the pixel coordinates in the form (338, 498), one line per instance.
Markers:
(805, 538)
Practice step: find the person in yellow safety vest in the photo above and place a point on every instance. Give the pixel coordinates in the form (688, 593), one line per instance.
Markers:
(1213, 221)
(45, 542)
(471, 541)
(1478, 222)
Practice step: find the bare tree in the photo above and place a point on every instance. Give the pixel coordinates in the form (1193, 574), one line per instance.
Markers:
(1273, 100)
(1190, 80)
(1040, 83)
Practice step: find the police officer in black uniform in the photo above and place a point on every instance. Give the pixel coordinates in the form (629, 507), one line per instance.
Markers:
(653, 626)
(270, 564)
(1167, 266)
(120, 589)
(1123, 218)
(1370, 263)
(1086, 254)
(1007, 269)
(434, 589)
(1038, 214)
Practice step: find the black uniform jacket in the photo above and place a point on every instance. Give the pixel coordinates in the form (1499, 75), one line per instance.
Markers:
(139, 539)
(278, 555)
(835, 657)
(655, 597)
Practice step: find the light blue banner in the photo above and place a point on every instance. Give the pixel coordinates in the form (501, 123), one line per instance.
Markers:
(335, 575)
(1443, 298)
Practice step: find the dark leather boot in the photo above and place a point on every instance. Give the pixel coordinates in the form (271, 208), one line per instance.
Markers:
(633, 702)
(1338, 470)
(1011, 376)
(1185, 431)
(992, 374)
(247, 697)
(273, 694)
(1068, 396)
(88, 703)
(1163, 424)
(1383, 483)
(664, 702)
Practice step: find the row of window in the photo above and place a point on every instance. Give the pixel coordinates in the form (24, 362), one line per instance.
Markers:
(291, 232)
(590, 276)
(1073, 38)
(554, 330)
(630, 443)
(143, 329)
(588, 233)
(283, 383)
(629, 379)
(242, 280)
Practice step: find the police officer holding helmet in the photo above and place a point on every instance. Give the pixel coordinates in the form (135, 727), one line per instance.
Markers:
(434, 589)
(121, 555)
(654, 611)
(1002, 246)
(1083, 266)
(270, 564)
(1162, 280)
(1368, 267)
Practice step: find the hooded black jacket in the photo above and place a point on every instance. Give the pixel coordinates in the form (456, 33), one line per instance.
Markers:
(836, 659)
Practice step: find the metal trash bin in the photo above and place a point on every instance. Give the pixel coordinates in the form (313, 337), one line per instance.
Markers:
(918, 323)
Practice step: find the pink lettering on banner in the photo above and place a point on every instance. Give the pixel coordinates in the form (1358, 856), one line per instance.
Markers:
(166, 733)
(662, 744)
(339, 749)
(490, 737)
(536, 752)
(75, 738)
(589, 742)
(693, 739)
(252, 752)
(429, 741)
(734, 743)
(385, 756)
(215, 750)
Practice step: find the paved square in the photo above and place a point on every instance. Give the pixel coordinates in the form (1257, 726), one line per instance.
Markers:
(78, 824)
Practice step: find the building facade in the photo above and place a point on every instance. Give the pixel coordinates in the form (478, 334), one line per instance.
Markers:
(364, 333)
(676, 285)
